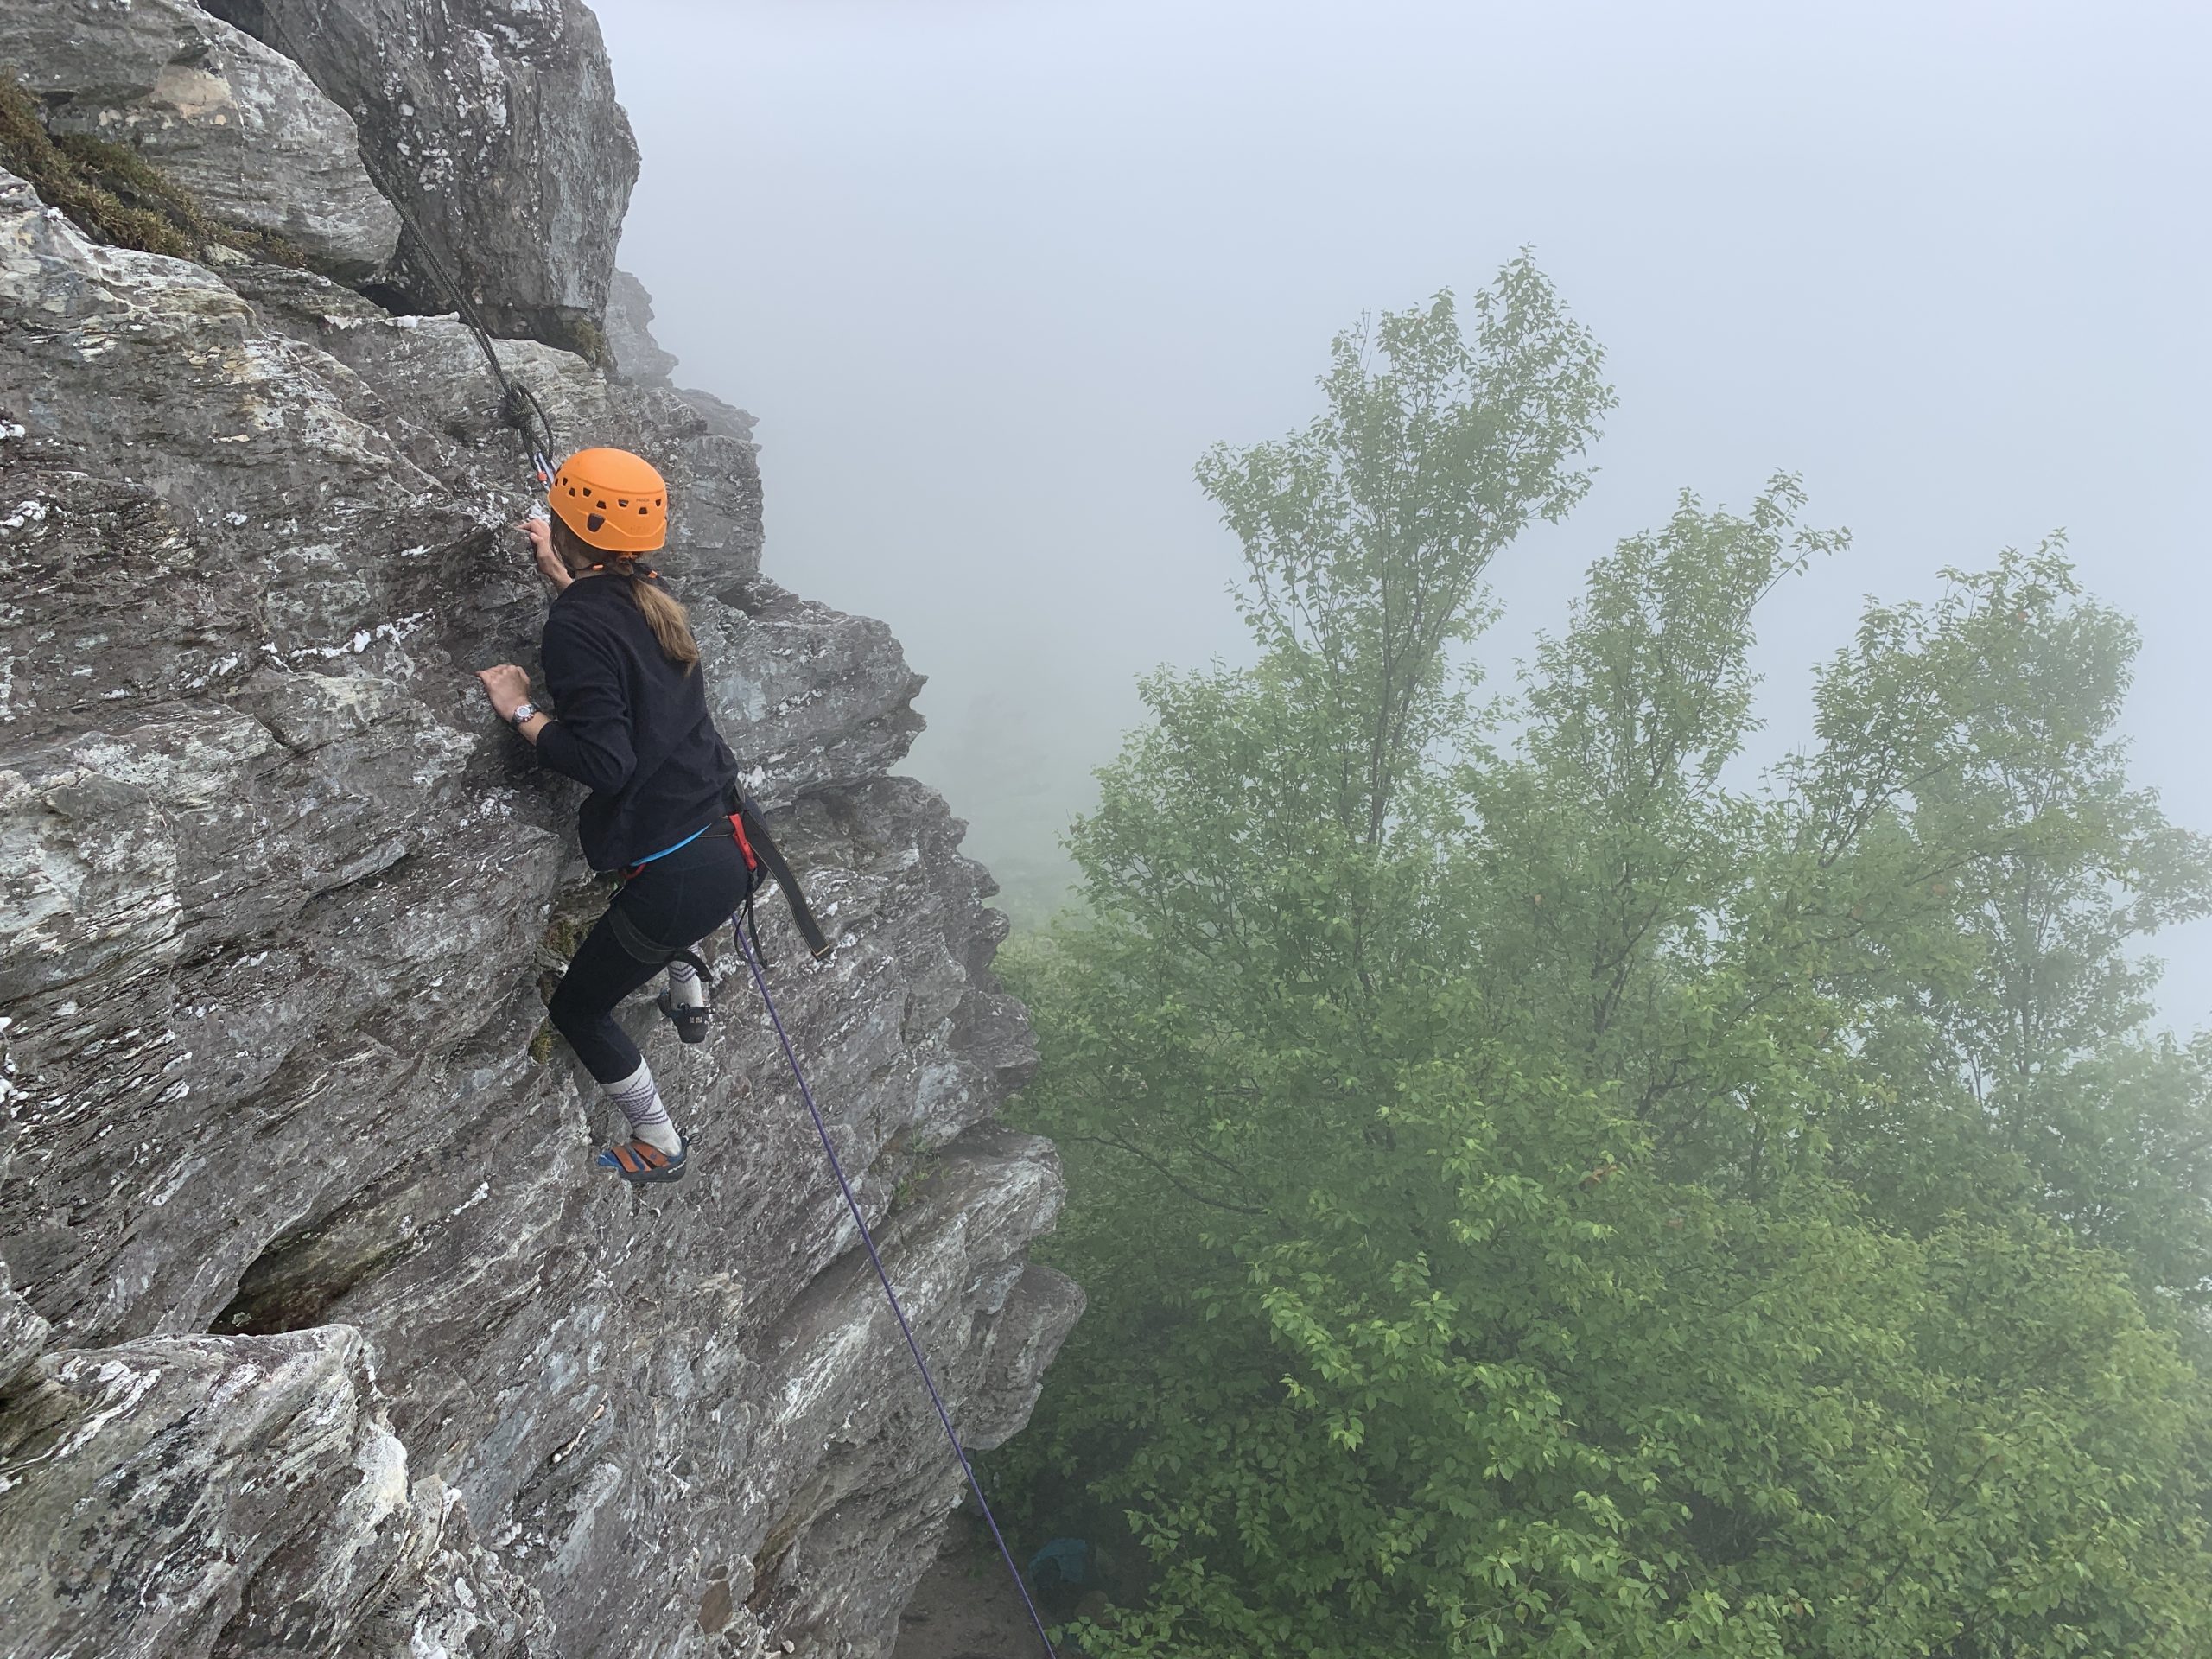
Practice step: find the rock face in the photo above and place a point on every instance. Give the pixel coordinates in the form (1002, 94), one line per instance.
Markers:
(494, 123)
(239, 1495)
(240, 127)
(638, 359)
(22, 1334)
(323, 1337)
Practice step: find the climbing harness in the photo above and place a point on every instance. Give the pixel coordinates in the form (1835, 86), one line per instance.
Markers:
(883, 1276)
(518, 407)
(746, 825)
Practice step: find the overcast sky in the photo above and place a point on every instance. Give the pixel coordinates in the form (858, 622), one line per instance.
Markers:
(993, 274)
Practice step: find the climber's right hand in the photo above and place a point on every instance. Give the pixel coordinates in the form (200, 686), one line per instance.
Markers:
(550, 565)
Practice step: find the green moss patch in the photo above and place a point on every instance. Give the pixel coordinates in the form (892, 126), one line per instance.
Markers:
(110, 191)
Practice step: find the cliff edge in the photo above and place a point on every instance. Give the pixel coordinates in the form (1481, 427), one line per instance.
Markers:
(317, 1332)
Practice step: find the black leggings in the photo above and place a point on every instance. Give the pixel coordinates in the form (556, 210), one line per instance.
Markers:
(668, 905)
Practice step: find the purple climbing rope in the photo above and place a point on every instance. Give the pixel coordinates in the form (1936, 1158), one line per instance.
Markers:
(913, 1347)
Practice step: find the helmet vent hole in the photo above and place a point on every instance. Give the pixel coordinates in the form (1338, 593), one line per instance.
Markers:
(595, 522)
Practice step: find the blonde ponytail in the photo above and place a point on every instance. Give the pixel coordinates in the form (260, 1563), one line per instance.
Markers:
(664, 614)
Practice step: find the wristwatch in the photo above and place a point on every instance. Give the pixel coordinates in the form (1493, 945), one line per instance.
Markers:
(524, 713)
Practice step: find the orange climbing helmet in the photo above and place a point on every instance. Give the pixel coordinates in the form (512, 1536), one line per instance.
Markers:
(614, 500)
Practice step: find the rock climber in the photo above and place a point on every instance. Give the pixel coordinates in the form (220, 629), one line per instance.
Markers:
(629, 723)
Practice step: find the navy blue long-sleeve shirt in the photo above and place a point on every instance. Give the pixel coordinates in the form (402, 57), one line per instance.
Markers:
(630, 726)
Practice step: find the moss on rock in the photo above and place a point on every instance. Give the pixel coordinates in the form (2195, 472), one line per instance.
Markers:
(110, 191)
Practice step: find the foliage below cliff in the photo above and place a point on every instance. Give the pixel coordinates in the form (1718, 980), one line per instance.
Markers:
(1540, 1197)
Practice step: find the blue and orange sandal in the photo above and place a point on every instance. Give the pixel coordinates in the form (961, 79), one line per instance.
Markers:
(690, 1023)
(641, 1161)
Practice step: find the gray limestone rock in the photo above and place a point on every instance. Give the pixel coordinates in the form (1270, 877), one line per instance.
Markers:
(495, 123)
(240, 127)
(187, 1496)
(97, 51)
(280, 901)
(22, 1335)
(180, 1429)
(639, 359)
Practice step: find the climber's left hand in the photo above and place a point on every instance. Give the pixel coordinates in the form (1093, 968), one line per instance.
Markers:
(507, 686)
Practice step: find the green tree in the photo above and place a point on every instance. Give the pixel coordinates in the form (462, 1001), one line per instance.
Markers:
(1538, 1199)
(1262, 850)
(1971, 823)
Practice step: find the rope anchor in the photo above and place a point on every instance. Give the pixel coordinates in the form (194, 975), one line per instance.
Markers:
(520, 410)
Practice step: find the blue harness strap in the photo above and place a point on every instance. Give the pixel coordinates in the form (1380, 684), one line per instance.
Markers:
(678, 847)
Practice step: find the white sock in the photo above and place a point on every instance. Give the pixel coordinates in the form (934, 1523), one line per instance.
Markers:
(641, 1103)
(684, 988)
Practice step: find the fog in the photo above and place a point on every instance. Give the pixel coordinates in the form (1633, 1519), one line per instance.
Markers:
(992, 275)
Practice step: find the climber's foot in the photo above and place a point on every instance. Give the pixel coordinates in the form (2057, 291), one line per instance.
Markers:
(641, 1161)
(690, 1022)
